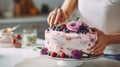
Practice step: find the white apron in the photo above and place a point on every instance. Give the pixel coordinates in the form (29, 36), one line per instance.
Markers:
(104, 15)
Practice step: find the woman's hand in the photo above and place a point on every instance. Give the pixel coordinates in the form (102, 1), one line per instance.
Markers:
(57, 16)
(101, 43)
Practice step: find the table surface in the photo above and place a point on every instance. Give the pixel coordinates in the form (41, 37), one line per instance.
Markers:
(27, 57)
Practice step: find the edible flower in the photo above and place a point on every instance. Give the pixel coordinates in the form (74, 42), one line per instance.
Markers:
(44, 51)
(73, 26)
(76, 54)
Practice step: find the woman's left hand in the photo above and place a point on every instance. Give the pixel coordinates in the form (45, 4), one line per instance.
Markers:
(100, 44)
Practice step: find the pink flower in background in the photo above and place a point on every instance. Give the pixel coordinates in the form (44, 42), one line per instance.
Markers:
(73, 26)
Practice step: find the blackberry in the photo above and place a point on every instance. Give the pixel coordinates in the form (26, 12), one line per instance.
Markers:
(70, 57)
(81, 27)
(85, 31)
(53, 28)
(78, 31)
(82, 31)
(85, 27)
(48, 29)
(59, 29)
(67, 56)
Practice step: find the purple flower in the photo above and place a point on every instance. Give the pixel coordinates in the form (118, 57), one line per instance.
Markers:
(44, 51)
(73, 25)
(76, 54)
(83, 23)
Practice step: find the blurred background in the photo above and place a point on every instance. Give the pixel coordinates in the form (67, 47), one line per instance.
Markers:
(28, 14)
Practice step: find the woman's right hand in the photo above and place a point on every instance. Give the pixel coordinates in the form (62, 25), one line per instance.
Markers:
(57, 16)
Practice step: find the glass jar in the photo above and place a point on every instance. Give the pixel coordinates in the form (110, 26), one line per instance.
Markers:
(29, 37)
(5, 38)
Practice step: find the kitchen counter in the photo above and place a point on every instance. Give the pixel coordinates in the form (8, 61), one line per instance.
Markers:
(42, 18)
(27, 57)
(9, 57)
(46, 62)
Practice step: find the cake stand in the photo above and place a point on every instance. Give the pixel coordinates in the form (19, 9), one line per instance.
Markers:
(66, 62)
(69, 63)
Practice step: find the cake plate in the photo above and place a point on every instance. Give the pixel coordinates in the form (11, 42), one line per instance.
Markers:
(67, 62)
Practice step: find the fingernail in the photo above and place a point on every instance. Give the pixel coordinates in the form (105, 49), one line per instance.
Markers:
(50, 25)
(55, 24)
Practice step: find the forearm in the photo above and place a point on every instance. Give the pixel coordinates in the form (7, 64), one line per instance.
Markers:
(69, 6)
(113, 39)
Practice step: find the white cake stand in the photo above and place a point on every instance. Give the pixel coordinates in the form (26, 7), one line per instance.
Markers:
(63, 62)
(69, 63)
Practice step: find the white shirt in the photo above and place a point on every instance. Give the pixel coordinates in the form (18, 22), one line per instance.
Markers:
(104, 15)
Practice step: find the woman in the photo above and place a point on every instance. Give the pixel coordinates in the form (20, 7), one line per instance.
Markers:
(103, 15)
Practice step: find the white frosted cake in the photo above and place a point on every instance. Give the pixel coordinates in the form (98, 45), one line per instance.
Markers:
(71, 40)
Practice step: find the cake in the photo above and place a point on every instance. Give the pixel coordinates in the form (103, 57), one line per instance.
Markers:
(71, 40)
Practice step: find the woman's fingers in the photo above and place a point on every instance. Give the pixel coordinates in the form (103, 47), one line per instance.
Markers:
(64, 18)
(100, 44)
(99, 50)
(58, 16)
(96, 46)
(49, 18)
(53, 17)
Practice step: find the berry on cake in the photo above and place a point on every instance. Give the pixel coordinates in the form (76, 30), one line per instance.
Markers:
(72, 40)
